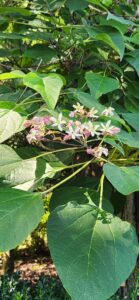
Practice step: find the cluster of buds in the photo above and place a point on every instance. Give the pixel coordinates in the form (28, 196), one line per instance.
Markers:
(81, 126)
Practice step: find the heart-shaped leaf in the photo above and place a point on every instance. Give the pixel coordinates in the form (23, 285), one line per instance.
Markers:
(124, 179)
(100, 84)
(93, 252)
(20, 213)
(10, 123)
(80, 195)
(48, 86)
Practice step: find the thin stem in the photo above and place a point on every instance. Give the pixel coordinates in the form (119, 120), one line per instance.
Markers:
(65, 168)
(52, 152)
(29, 97)
(30, 102)
(101, 190)
(67, 178)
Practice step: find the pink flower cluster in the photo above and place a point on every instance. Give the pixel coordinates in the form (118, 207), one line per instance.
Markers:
(81, 126)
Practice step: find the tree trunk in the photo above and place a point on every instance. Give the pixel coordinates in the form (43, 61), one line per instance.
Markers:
(131, 215)
(8, 262)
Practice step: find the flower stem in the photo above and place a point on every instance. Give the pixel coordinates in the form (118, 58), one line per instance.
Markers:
(101, 190)
(67, 178)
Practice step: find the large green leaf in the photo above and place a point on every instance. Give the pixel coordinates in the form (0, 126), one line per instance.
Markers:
(16, 171)
(40, 51)
(130, 139)
(132, 119)
(26, 173)
(87, 100)
(94, 249)
(20, 213)
(12, 75)
(48, 86)
(124, 179)
(133, 60)
(79, 195)
(9, 159)
(100, 84)
(10, 123)
(108, 35)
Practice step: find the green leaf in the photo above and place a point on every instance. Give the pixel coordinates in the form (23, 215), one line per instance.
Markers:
(48, 86)
(119, 19)
(40, 51)
(133, 60)
(93, 248)
(135, 39)
(132, 119)
(123, 28)
(26, 174)
(131, 104)
(10, 36)
(76, 5)
(87, 100)
(114, 39)
(114, 144)
(16, 171)
(6, 105)
(15, 11)
(54, 4)
(10, 123)
(109, 36)
(124, 179)
(100, 2)
(9, 52)
(130, 139)
(20, 213)
(12, 75)
(107, 2)
(79, 195)
(9, 159)
(37, 35)
(100, 84)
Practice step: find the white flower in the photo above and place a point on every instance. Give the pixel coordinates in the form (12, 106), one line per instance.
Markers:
(79, 109)
(92, 113)
(91, 128)
(109, 111)
(108, 129)
(35, 135)
(73, 132)
(59, 122)
(98, 151)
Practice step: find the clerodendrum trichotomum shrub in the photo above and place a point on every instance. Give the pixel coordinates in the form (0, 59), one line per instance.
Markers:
(69, 127)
